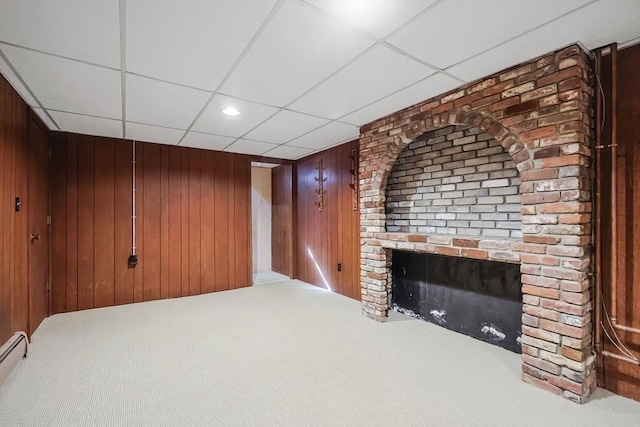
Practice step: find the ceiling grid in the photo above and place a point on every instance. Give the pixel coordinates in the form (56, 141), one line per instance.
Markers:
(304, 74)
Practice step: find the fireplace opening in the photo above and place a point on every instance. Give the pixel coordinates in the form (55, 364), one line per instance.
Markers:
(478, 298)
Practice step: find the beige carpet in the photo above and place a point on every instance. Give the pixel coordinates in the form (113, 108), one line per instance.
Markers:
(277, 354)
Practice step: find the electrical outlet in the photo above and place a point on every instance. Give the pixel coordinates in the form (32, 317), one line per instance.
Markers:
(133, 260)
(339, 267)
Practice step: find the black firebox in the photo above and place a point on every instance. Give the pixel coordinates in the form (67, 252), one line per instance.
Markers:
(482, 299)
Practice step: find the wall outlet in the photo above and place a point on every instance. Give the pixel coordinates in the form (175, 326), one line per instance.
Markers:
(133, 260)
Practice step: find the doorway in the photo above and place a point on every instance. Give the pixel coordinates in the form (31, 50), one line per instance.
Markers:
(38, 199)
(261, 195)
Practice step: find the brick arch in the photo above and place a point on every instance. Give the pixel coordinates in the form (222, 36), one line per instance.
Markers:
(540, 113)
(485, 121)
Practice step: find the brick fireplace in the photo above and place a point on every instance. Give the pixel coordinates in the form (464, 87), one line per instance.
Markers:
(533, 122)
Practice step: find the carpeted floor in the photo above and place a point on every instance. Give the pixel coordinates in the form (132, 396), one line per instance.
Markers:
(277, 354)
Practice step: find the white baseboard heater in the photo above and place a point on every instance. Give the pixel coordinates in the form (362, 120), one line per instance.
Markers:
(11, 352)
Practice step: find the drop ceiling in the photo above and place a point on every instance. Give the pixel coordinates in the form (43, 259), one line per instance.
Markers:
(303, 74)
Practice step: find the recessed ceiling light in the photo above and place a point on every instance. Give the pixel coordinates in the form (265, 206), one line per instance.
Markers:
(230, 111)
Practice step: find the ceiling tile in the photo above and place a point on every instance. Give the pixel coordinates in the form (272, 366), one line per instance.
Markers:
(244, 146)
(378, 73)
(194, 43)
(164, 104)
(431, 86)
(469, 27)
(86, 125)
(285, 126)
(331, 134)
(16, 83)
(379, 18)
(67, 85)
(564, 31)
(251, 114)
(156, 134)
(287, 152)
(85, 30)
(206, 141)
(300, 47)
(46, 120)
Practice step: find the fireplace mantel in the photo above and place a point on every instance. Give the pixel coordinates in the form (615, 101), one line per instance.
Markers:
(476, 247)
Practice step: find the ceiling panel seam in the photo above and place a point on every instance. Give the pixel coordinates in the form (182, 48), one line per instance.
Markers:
(123, 64)
(238, 60)
(55, 55)
(28, 89)
(502, 43)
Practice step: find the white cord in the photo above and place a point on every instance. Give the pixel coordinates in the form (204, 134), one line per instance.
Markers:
(624, 350)
(133, 204)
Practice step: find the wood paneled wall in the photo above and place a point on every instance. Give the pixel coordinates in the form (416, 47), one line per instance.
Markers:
(193, 229)
(282, 225)
(324, 239)
(14, 156)
(618, 376)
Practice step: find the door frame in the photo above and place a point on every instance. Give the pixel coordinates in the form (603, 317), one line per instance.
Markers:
(34, 120)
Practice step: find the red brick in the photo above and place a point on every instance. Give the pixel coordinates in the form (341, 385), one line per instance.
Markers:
(577, 355)
(560, 75)
(541, 260)
(444, 250)
(465, 243)
(541, 364)
(538, 174)
(529, 247)
(553, 162)
(541, 239)
(521, 108)
(504, 104)
(539, 198)
(541, 312)
(497, 88)
(475, 253)
(543, 132)
(483, 102)
(562, 207)
(541, 292)
(561, 329)
(575, 219)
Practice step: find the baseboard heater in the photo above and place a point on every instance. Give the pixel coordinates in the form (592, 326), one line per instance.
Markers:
(11, 352)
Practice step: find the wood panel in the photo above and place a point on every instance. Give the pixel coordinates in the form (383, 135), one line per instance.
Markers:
(123, 172)
(15, 126)
(192, 230)
(71, 236)
(282, 220)
(194, 222)
(618, 376)
(175, 222)
(12, 184)
(221, 191)
(58, 209)
(331, 237)
(86, 221)
(104, 294)
(150, 215)
(207, 221)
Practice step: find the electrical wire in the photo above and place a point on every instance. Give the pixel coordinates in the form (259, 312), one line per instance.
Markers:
(618, 343)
